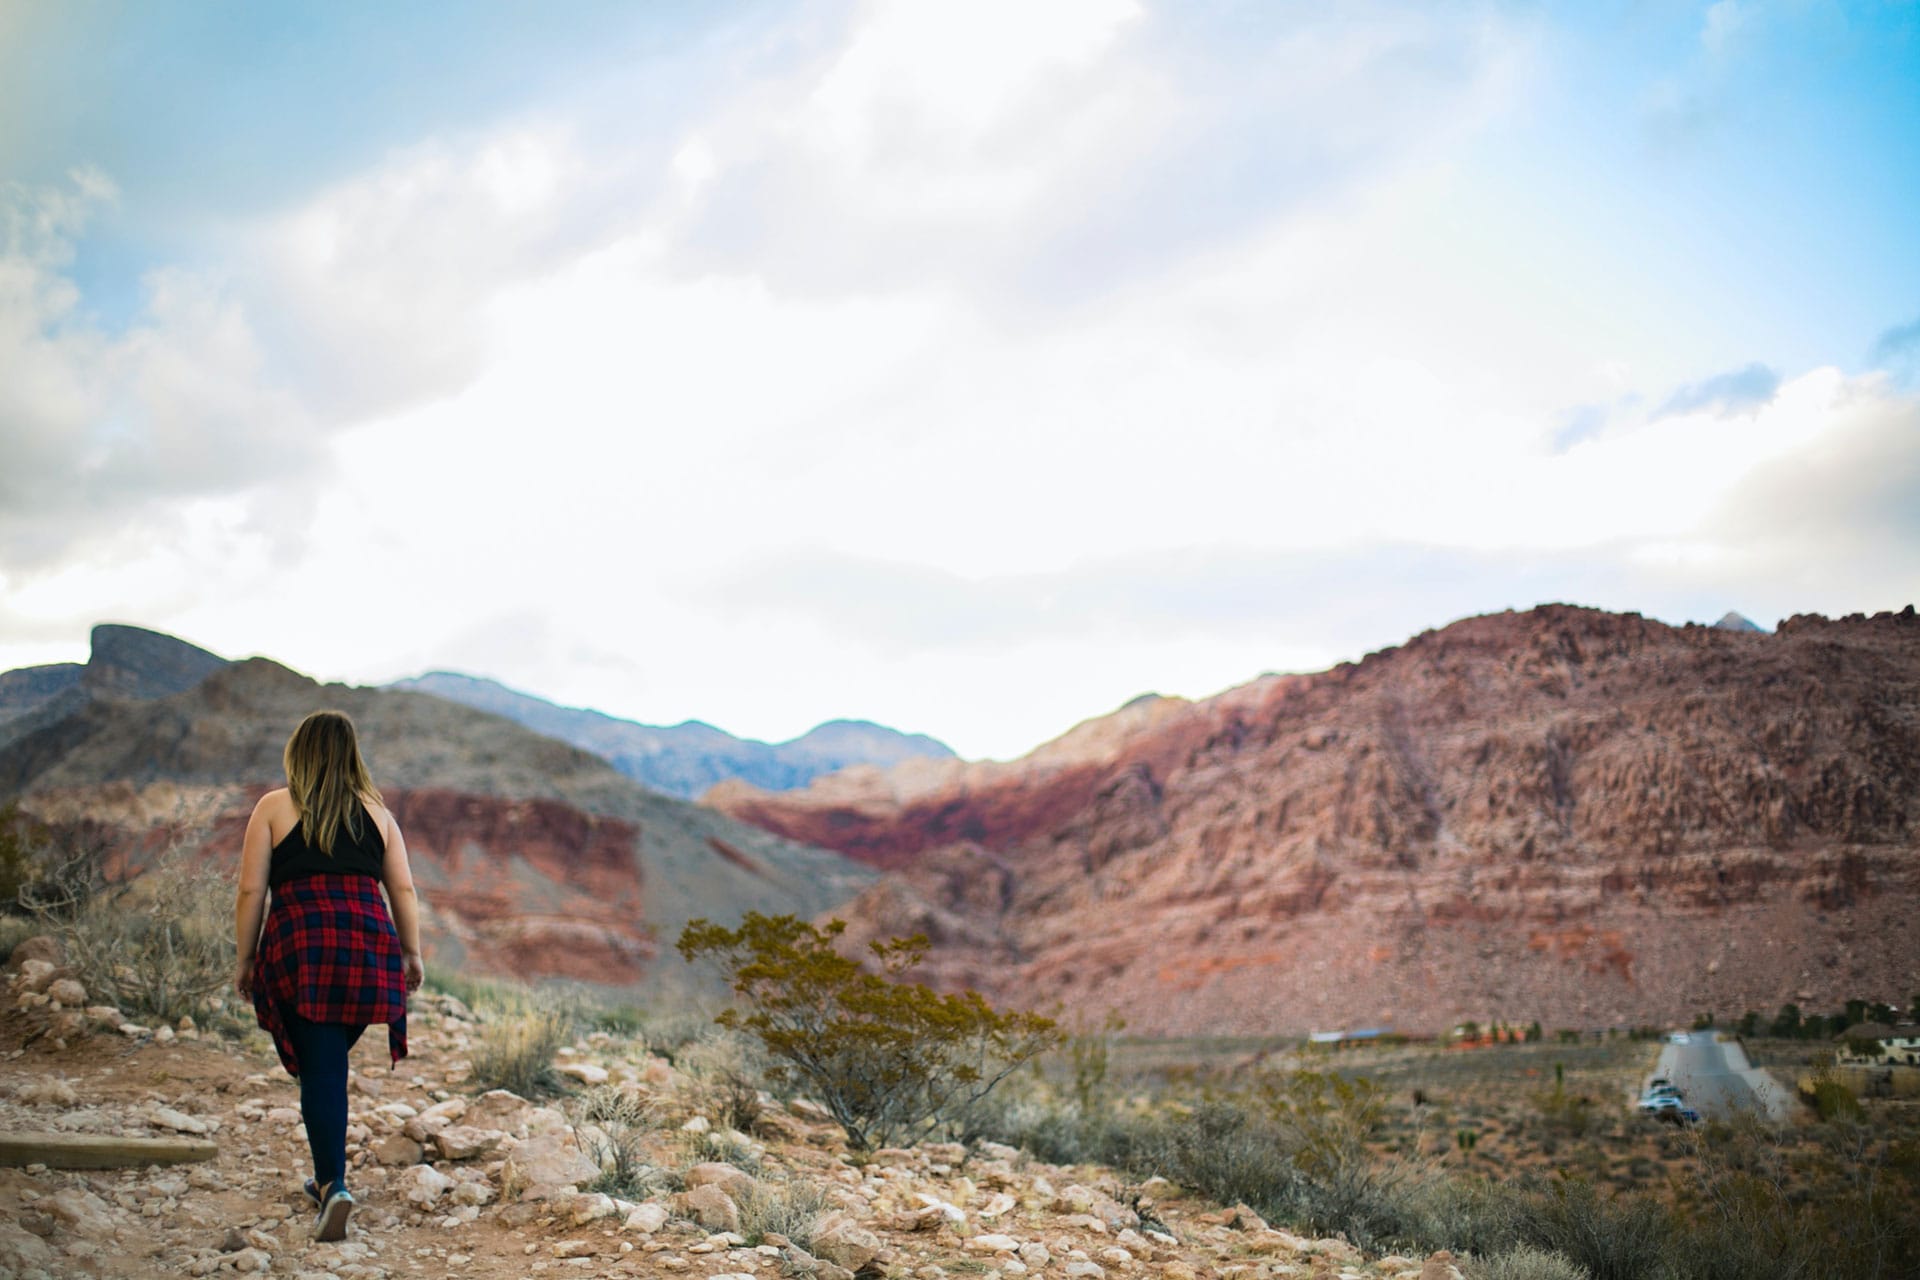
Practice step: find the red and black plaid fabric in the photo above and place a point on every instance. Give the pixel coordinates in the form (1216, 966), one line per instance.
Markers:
(329, 954)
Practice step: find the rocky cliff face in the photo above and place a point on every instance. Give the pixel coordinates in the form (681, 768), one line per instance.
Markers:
(1563, 814)
(533, 858)
(686, 759)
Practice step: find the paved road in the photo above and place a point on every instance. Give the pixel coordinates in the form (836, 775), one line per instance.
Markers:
(1716, 1079)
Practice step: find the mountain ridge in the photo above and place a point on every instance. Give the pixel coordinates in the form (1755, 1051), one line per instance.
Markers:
(688, 758)
(1553, 814)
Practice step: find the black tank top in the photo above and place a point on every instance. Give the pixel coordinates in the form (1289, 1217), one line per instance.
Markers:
(362, 855)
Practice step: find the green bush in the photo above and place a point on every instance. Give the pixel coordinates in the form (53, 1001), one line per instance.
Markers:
(893, 1061)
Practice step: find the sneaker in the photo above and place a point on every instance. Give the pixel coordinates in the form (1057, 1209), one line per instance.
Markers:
(313, 1192)
(332, 1223)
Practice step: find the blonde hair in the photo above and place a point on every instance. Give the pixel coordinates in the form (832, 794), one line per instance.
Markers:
(327, 778)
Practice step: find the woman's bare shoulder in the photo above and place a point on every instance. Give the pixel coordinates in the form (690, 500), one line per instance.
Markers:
(274, 801)
(382, 816)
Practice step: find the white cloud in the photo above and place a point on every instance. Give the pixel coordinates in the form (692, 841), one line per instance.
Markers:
(971, 375)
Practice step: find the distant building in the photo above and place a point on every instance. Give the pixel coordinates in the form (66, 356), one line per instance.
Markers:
(1874, 1044)
(1340, 1039)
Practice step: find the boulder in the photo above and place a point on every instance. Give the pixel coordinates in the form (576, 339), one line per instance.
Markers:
(498, 1109)
(67, 993)
(423, 1185)
(584, 1072)
(84, 1212)
(711, 1207)
(44, 947)
(1439, 1266)
(34, 976)
(464, 1142)
(648, 1218)
(844, 1242)
(397, 1149)
(551, 1160)
(734, 1181)
(590, 1208)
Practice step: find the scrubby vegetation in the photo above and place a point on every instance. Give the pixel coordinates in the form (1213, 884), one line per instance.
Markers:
(892, 1060)
(516, 1051)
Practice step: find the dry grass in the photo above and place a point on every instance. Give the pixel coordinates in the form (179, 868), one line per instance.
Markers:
(515, 1052)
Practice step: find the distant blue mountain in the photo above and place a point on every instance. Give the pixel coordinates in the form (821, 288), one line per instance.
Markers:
(1738, 622)
(685, 759)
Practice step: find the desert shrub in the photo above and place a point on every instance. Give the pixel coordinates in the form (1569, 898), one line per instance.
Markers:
(675, 1036)
(160, 946)
(612, 1130)
(1570, 1114)
(891, 1060)
(15, 930)
(1522, 1262)
(722, 1146)
(1609, 1237)
(792, 1209)
(515, 1051)
(1830, 1099)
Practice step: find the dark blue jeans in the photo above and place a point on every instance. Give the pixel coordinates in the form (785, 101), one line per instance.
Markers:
(322, 1049)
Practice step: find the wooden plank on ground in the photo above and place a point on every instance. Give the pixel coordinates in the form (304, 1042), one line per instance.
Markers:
(99, 1151)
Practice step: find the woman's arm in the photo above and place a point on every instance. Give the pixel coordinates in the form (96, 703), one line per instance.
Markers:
(250, 906)
(397, 876)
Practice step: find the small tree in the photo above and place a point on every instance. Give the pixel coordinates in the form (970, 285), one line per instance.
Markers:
(891, 1060)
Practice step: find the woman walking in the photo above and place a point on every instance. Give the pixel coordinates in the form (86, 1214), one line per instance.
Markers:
(330, 960)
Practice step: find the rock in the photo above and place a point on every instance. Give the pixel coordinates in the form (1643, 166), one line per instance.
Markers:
(575, 1249)
(584, 1072)
(84, 1212)
(50, 1092)
(1439, 1266)
(648, 1218)
(423, 1185)
(67, 993)
(163, 1035)
(1177, 1269)
(711, 1207)
(698, 1124)
(475, 1193)
(105, 1015)
(997, 1205)
(947, 1153)
(590, 1208)
(179, 1122)
(251, 1260)
(807, 1109)
(844, 1242)
(397, 1149)
(499, 1109)
(34, 977)
(284, 1117)
(42, 947)
(20, 1250)
(734, 1181)
(1083, 1269)
(1035, 1254)
(550, 1160)
(993, 1244)
(1115, 1256)
(464, 1142)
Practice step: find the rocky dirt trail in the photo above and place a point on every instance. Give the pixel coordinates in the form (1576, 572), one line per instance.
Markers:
(489, 1185)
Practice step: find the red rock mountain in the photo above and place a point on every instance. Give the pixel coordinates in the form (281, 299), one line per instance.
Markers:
(534, 858)
(1565, 815)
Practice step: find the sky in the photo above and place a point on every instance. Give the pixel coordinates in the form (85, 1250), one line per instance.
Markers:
(971, 368)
